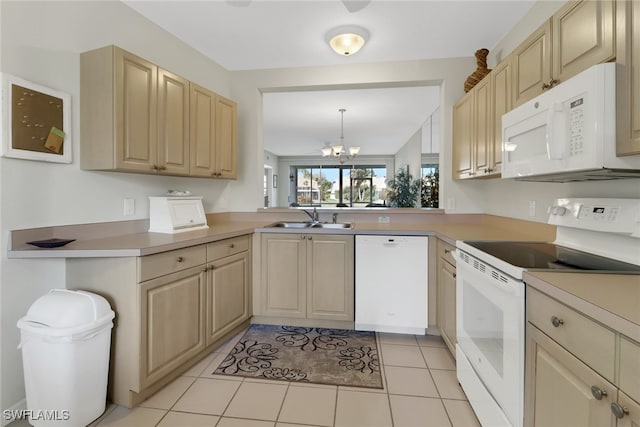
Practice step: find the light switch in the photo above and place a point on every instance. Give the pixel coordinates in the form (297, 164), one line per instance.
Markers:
(129, 207)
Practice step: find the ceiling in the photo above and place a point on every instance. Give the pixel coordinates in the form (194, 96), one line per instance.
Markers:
(265, 34)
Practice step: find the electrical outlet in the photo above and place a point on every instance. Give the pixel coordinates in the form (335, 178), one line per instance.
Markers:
(451, 204)
(532, 208)
(129, 207)
(384, 219)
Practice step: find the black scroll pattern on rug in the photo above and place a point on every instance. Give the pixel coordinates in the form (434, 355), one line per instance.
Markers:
(303, 354)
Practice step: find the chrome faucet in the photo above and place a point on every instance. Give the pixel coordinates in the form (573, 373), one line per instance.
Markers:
(334, 217)
(314, 216)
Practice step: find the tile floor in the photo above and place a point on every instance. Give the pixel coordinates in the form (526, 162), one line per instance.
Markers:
(420, 390)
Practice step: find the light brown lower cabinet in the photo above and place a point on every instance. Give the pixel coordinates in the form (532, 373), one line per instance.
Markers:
(447, 295)
(575, 375)
(307, 276)
(171, 309)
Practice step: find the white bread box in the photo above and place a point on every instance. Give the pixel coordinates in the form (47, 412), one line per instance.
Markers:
(176, 214)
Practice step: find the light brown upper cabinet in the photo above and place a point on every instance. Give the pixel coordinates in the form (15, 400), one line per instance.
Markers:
(462, 137)
(531, 62)
(477, 126)
(628, 77)
(118, 102)
(137, 117)
(226, 137)
(501, 82)
(203, 136)
(173, 124)
(579, 35)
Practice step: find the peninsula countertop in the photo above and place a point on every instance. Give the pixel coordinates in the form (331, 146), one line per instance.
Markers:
(96, 240)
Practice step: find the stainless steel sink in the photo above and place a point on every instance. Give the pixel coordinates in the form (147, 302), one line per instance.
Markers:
(287, 224)
(290, 224)
(331, 225)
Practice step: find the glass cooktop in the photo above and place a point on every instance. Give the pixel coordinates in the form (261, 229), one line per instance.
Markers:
(548, 256)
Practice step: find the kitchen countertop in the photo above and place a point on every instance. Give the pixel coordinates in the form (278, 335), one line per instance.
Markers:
(611, 299)
(145, 243)
(135, 244)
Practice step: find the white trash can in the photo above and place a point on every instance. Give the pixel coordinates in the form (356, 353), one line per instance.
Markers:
(65, 340)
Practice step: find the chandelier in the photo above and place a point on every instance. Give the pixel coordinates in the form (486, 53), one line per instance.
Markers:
(338, 150)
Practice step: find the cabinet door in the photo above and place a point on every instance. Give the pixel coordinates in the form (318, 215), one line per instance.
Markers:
(462, 137)
(483, 126)
(173, 124)
(531, 63)
(171, 328)
(583, 35)
(330, 277)
(447, 306)
(202, 132)
(559, 387)
(628, 77)
(226, 137)
(227, 295)
(501, 80)
(136, 131)
(284, 273)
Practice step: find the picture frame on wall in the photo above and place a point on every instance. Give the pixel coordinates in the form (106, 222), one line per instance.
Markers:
(36, 121)
(275, 181)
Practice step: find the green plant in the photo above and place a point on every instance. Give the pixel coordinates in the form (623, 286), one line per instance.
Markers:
(403, 190)
(430, 190)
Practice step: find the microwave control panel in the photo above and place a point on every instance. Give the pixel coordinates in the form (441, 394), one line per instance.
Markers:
(576, 126)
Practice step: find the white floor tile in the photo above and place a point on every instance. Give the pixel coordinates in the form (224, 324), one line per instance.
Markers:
(184, 419)
(309, 405)
(207, 396)
(168, 396)
(257, 401)
(138, 417)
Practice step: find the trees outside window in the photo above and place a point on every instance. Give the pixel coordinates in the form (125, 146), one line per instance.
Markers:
(333, 185)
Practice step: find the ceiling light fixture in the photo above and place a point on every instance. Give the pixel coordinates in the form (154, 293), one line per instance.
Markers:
(338, 150)
(347, 40)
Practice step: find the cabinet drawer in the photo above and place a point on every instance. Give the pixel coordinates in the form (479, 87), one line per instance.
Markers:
(630, 367)
(445, 251)
(586, 339)
(170, 262)
(223, 248)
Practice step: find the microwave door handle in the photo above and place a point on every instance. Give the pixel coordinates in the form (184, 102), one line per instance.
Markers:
(555, 145)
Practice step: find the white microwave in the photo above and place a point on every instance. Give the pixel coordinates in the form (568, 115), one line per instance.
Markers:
(568, 133)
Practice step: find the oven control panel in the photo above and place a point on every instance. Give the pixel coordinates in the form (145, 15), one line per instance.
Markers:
(606, 215)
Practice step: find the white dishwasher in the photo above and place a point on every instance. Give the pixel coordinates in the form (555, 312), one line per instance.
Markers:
(391, 283)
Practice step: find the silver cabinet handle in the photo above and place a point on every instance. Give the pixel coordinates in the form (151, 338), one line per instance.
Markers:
(556, 321)
(597, 392)
(618, 410)
(447, 251)
(180, 259)
(309, 238)
(231, 246)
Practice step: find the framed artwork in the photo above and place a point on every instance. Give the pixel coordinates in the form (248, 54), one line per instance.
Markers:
(275, 181)
(36, 121)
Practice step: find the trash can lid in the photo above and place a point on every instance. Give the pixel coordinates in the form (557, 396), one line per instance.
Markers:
(62, 308)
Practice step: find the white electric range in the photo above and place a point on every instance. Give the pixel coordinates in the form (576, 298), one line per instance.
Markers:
(593, 235)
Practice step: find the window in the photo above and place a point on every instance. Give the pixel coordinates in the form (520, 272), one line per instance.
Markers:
(429, 191)
(340, 185)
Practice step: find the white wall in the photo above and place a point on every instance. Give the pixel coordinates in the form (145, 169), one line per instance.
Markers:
(247, 88)
(271, 160)
(410, 154)
(41, 42)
